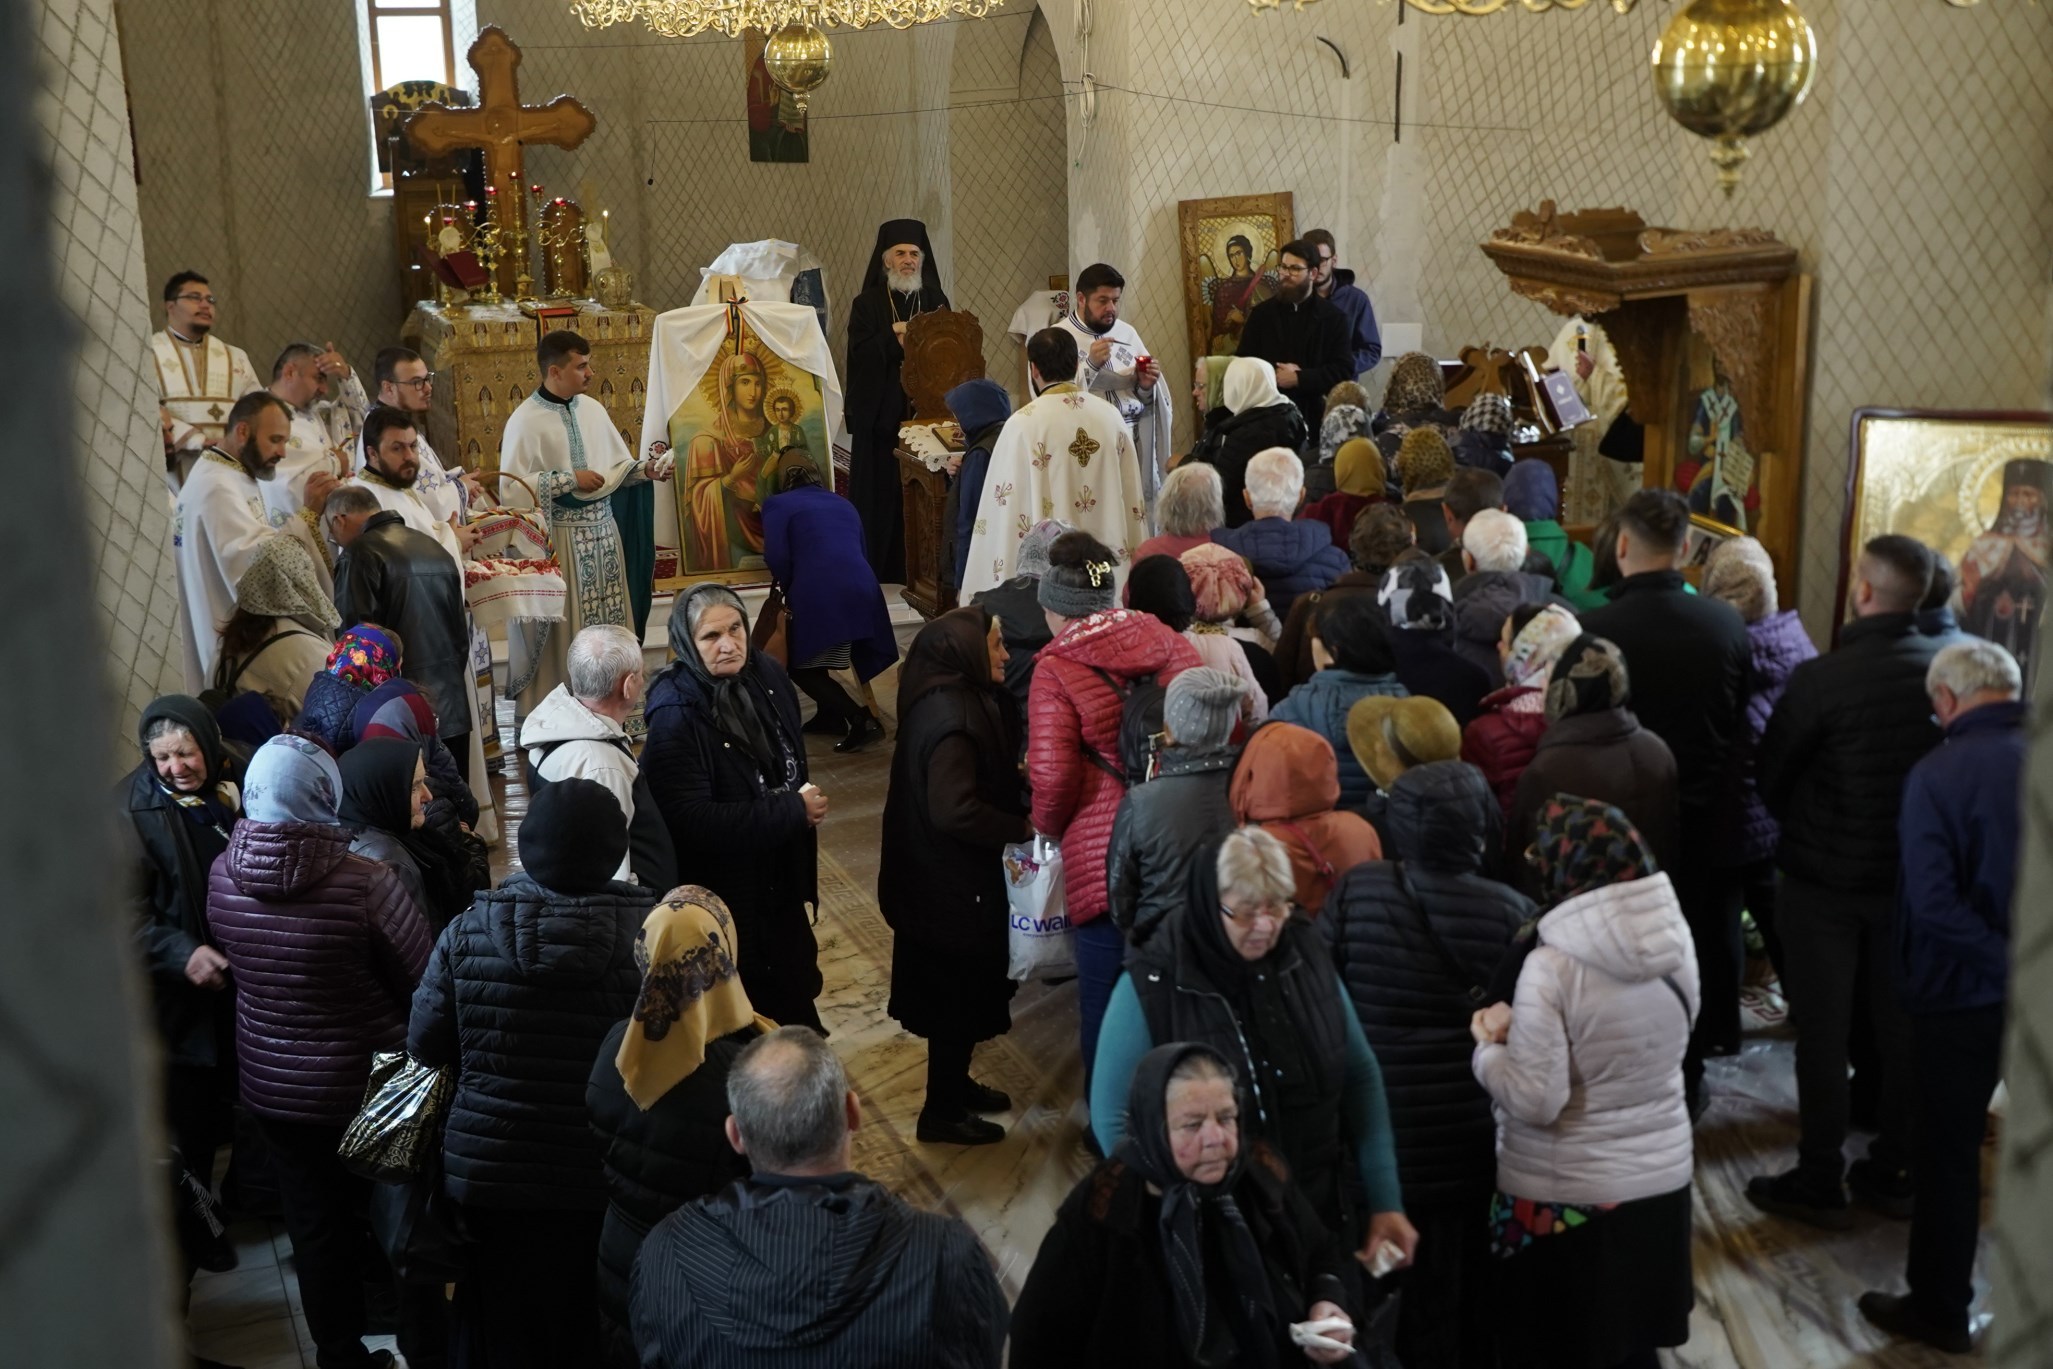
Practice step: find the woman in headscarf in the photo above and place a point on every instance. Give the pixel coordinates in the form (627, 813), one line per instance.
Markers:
(1484, 439)
(1262, 417)
(181, 809)
(1418, 600)
(658, 1091)
(1161, 586)
(813, 542)
(1423, 465)
(1591, 1219)
(1358, 483)
(1232, 603)
(1241, 972)
(363, 658)
(1186, 1247)
(278, 638)
(1415, 397)
(384, 792)
(397, 708)
(1018, 609)
(1288, 783)
(954, 804)
(727, 764)
(325, 948)
(1595, 747)
(1505, 733)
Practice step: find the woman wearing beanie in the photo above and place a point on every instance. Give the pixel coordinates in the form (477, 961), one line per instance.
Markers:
(1425, 464)
(324, 948)
(1098, 654)
(728, 767)
(953, 804)
(1262, 417)
(1358, 480)
(1532, 495)
(1161, 586)
(1163, 825)
(518, 995)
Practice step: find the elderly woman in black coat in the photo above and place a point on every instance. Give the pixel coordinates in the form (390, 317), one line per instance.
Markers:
(727, 764)
(1185, 1248)
(658, 1091)
(1416, 938)
(954, 803)
(181, 808)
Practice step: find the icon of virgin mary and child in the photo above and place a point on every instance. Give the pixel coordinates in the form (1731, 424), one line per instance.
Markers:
(730, 465)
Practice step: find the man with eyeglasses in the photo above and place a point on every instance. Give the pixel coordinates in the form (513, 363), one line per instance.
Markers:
(1335, 284)
(1303, 336)
(199, 377)
(432, 492)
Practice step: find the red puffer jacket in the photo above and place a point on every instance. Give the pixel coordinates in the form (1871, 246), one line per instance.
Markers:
(1071, 707)
(1501, 741)
(325, 948)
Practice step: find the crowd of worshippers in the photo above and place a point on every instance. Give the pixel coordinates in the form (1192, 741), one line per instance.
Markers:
(1406, 847)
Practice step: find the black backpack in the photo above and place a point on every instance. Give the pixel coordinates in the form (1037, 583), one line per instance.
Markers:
(1140, 729)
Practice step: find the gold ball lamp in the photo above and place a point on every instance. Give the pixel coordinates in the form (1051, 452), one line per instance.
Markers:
(1729, 69)
(799, 59)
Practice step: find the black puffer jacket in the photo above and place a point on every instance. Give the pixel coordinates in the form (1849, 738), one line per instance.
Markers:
(1159, 830)
(656, 1161)
(518, 995)
(1832, 763)
(1232, 442)
(1414, 1005)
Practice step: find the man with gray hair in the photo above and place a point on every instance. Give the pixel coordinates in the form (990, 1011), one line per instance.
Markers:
(1960, 834)
(806, 1262)
(1289, 557)
(580, 731)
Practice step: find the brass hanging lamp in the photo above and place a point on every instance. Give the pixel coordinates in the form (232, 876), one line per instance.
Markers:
(1729, 69)
(799, 59)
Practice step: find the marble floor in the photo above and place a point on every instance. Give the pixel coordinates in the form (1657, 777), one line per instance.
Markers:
(1771, 1294)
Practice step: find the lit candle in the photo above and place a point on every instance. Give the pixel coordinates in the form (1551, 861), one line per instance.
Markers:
(471, 206)
(606, 224)
(491, 192)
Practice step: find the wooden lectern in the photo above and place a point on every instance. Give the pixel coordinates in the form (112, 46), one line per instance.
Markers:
(942, 350)
(1712, 332)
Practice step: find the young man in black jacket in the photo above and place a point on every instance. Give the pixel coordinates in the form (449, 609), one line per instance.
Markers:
(1833, 761)
(1302, 335)
(1689, 659)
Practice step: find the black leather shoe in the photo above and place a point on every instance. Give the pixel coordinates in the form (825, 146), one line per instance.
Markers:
(980, 1098)
(823, 724)
(957, 1129)
(1801, 1199)
(1893, 1313)
(1885, 1190)
(865, 732)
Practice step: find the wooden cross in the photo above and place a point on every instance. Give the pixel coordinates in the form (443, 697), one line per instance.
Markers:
(500, 124)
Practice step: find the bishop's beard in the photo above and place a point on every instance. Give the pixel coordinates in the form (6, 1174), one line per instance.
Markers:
(906, 282)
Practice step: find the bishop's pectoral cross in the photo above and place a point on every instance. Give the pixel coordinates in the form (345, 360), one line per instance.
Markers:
(500, 125)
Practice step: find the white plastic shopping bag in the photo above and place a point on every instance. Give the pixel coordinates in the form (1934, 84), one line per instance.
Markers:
(1039, 942)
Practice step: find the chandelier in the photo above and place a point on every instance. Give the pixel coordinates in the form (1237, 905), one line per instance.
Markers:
(796, 54)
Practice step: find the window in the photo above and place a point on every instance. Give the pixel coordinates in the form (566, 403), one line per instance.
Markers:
(412, 40)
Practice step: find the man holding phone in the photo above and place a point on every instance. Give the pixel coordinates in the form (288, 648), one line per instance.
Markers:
(1113, 364)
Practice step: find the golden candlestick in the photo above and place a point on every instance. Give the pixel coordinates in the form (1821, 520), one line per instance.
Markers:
(489, 242)
(560, 237)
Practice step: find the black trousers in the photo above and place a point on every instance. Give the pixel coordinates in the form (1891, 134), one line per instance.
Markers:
(825, 691)
(1959, 1059)
(1710, 896)
(1830, 940)
(199, 1112)
(1445, 1320)
(459, 751)
(530, 1297)
(324, 1215)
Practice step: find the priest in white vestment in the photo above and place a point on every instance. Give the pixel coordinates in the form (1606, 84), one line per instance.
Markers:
(1110, 366)
(1066, 455)
(219, 521)
(564, 444)
(328, 407)
(405, 384)
(1596, 484)
(199, 377)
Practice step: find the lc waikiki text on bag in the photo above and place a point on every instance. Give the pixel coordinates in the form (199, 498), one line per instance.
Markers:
(1039, 939)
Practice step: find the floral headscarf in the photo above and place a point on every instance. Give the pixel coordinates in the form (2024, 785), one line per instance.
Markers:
(365, 656)
(691, 993)
(1538, 646)
(1588, 678)
(1581, 844)
(1221, 582)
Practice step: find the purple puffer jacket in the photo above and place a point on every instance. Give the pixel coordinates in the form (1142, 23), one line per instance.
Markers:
(1780, 646)
(325, 948)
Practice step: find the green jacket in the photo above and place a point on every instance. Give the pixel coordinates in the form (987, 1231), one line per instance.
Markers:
(1572, 562)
